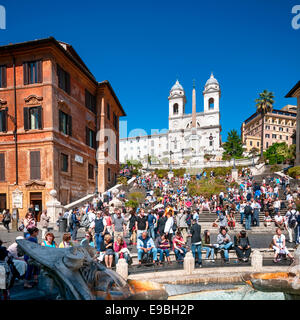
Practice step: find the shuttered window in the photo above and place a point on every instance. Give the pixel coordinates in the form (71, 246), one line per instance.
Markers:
(63, 79)
(35, 165)
(32, 72)
(90, 101)
(3, 81)
(91, 171)
(64, 162)
(2, 167)
(3, 120)
(115, 120)
(108, 111)
(90, 137)
(65, 123)
(33, 118)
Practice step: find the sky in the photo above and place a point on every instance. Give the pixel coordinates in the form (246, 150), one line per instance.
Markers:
(142, 47)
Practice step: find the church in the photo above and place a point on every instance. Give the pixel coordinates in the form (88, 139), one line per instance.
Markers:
(190, 138)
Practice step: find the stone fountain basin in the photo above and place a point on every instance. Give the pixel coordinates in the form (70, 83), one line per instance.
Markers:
(147, 290)
(273, 282)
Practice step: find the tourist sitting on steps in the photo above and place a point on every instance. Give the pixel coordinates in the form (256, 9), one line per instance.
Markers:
(208, 247)
(280, 247)
(145, 246)
(179, 247)
(242, 246)
(106, 248)
(66, 241)
(163, 248)
(121, 250)
(224, 242)
(267, 219)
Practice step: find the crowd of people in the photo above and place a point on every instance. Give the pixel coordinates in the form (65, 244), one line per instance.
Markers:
(169, 220)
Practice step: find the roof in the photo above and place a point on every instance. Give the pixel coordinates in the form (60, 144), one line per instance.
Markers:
(106, 82)
(274, 111)
(293, 90)
(68, 50)
(71, 54)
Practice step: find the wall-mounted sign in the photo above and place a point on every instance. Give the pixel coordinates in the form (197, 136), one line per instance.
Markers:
(78, 159)
(17, 199)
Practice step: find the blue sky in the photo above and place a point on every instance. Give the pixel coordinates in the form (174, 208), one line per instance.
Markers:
(141, 47)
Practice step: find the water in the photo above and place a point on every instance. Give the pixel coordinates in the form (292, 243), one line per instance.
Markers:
(238, 292)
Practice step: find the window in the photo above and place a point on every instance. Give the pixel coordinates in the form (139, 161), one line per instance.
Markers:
(115, 120)
(91, 171)
(287, 138)
(210, 143)
(251, 143)
(90, 101)
(267, 135)
(64, 163)
(108, 174)
(33, 118)
(175, 108)
(90, 138)
(287, 129)
(273, 136)
(3, 120)
(257, 143)
(35, 165)
(267, 145)
(108, 111)
(65, 123)
(211, 103)
(32, 72)
(2, 167)
(280, 137)
(280, 129)
(3, 77)
(63, 79)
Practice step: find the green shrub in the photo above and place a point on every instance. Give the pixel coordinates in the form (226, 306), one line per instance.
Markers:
(132, 203)
(161, 173)
(275, 168)
(179, 172)
(122, 180)
(136, 196)
(294, 172)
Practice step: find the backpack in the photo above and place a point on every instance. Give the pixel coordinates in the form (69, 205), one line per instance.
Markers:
(292, 219)
(188, 220)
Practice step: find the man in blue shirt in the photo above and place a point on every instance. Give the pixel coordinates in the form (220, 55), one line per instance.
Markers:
(151, 224)
(145, 245)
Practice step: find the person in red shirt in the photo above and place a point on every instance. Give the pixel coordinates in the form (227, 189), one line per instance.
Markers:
(179, 247)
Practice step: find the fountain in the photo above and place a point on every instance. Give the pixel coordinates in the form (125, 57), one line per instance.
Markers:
(79, 277)
(286, 282)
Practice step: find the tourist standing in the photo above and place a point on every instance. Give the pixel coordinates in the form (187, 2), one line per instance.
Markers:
(141, 224)
(6, 219)
(196, 242)
(99, 228)
(44, 223)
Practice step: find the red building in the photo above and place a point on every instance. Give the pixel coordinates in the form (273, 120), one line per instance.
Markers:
(51, 109)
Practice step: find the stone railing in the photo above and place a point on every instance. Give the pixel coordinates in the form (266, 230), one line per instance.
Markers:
(206, 164)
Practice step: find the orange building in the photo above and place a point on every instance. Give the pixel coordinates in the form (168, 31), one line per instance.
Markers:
(51, 108)
(280, 126)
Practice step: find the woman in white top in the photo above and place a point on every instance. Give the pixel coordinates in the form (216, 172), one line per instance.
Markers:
(279, 246)
(169, 226)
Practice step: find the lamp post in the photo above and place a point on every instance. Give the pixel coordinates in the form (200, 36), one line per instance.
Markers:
(170, 159)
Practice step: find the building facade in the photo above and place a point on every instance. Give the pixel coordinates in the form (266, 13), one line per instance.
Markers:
(279, 127)
(295, 93)
(189, 137)
(51, 108)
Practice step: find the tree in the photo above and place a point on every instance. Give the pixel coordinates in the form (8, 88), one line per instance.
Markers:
(254, 151)
(264, 104)
(277, 153)
(233, 146)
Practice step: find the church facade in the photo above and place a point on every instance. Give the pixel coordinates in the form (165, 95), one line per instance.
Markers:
(190, 138)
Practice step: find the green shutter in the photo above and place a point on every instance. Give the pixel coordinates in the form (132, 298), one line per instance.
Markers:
(39, 66)
(39, 108)
(25, 73)
(70, 125)
(26, 119)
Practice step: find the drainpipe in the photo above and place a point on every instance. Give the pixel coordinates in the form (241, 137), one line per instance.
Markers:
(15, 120)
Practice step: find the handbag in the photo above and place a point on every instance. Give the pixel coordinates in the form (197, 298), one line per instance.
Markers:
(21, 227)
(215, 225)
